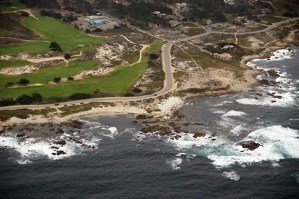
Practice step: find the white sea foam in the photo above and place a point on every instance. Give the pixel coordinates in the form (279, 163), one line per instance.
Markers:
(219, 111)
(277, 143)
(231, 175)
(188, 141)
(31, 148)
(233, 113)
(287, 99)
(238, 129)
(223, 103)
(175, 163)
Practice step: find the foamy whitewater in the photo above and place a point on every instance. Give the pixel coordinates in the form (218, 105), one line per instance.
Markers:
(109, 157)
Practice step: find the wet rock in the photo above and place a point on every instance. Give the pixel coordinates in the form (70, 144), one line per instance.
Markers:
(61, 142)
(21, 135)
(273, 73)
(141, 117)
(178, 129)
(198, 134)
(60, 152)
(157, 128)
(75, 124)
(251, 145)
(178, 114)
(59, 131)
(267, 82)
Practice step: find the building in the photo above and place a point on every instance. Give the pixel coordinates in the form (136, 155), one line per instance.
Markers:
(96, 20)
(229, 2)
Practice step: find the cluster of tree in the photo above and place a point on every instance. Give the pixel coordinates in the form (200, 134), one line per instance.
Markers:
(70, 18)
(79, 96)
(78, 6)
(23, 99)
(54, 46)
(212, 10)
(51, 13)
(140, 12)
(50, 4)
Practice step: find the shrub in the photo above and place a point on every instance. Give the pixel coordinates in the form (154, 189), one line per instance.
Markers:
(7, 102)
(25, 99)
(56, 79)
(79, 96)
(23, 82)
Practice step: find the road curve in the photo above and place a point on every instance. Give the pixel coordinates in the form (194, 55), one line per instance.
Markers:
(169, 82)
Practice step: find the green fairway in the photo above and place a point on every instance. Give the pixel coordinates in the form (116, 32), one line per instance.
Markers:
(16, 63)
(44, 75)
(13, 5)
(118, 82)
(54, 30)
(30, 47)
(155, 47)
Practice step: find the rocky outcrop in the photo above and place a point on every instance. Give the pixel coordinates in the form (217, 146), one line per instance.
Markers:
(60, 142)
(251, 145)
(162, 130)
(198, 134)
(273, 73)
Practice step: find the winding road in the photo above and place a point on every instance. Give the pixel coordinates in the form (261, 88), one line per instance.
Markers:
(169, 82)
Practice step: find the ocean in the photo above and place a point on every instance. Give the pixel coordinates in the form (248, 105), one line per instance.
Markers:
(110, 158)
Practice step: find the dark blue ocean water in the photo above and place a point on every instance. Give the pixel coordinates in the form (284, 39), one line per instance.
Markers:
(127, 164)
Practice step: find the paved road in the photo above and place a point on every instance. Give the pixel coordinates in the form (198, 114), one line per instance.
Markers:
(169, 82)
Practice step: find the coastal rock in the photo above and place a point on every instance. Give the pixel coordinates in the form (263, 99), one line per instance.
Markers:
(59, 131)
(267, 82)
(251, 145)
(20, 135)
(75, 124)
(61, 142)
(141, 117)
(273, 73)
(198, 134)
(156, 128)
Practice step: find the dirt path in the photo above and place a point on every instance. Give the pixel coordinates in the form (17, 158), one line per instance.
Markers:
(128, 39)
(140, 54)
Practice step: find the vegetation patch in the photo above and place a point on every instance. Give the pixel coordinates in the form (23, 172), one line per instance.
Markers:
(23, 113)
(195, 31)
(45, 75)
(54, 30)
(17, 63)
(29, 47)
(12, 5)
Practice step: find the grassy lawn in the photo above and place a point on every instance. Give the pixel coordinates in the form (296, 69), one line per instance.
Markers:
(117, 82)
(54, 30)
(17, 63)
(30, 47)
(14, 5)
(47, 74)
(195, 31)
(155, 47)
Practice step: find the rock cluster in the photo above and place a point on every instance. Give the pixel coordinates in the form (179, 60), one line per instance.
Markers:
(251, 145)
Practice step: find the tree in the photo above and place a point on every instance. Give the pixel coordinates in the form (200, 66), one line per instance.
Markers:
(70, 79)
(54, 46)
(23, 82)
(67, 56)
(25, 99)
(37, 97)
(56, 79)
(78, 96)
(7, 102)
